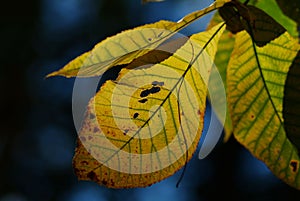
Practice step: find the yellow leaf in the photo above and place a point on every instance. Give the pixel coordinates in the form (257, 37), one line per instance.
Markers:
(256, 81)
(128, 45)
(147, 124)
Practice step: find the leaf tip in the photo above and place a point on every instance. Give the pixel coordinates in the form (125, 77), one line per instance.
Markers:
(51, 74)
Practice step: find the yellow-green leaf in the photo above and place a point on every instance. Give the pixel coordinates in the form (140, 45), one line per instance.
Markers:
(128, 45)
(146, 125)
(256, 80)
(224, 49)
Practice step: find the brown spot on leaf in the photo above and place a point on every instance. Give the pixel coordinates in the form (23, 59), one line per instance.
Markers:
(92, 116)
(96, 130)
(90, 137)
(198, 112)
(147, 92)
(294, 164)
(112, 182)
(154, 90)
(135, 115)
(84, 163)
(144, 100)
(104, 182)
(92, 176)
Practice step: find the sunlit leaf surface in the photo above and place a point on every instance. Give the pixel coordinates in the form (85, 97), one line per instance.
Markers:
(128, 45)
(146, 125)
(256, 83)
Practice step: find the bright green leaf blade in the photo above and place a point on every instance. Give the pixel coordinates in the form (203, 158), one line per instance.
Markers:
(128, 45)
(291, 103)
(153, 116)
(256, 79)
(225, 47)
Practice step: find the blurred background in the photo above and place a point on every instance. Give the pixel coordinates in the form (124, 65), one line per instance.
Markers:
(38, 137)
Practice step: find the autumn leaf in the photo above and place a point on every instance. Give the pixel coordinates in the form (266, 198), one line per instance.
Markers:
(256, 84)
(128, 45)
(146, 125)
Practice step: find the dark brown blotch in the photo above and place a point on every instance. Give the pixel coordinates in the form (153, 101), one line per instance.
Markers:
(294, 164)
(144, 100)
(147, 92)
(135, 115)
(92, 176)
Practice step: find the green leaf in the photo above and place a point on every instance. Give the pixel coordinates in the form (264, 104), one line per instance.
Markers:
(146, 125)
(256, 83)
(128, 45)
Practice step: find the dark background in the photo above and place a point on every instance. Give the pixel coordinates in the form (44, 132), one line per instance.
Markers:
(38, 137)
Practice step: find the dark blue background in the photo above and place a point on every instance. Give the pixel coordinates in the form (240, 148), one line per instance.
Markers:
(38, 137)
